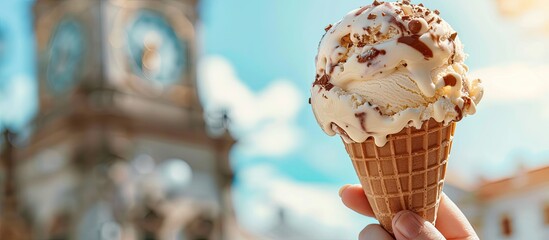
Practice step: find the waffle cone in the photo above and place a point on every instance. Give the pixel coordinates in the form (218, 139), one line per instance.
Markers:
(405, 174)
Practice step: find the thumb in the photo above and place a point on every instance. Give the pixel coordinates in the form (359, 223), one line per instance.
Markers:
(408, 225)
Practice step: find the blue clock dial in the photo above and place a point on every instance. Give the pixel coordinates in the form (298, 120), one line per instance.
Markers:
(65, 55)
(156, 53)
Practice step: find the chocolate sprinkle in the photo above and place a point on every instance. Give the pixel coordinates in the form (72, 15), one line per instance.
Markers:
(414, 42)
(376, 3)
(437, 12)
(328, 27)
(453, 36)
(372, 16)
(324, 82)
(309, 100)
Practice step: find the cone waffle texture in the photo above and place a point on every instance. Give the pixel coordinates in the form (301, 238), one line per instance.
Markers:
(405, 174)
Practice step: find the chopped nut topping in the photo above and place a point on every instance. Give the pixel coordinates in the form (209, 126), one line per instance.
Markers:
(345, 41)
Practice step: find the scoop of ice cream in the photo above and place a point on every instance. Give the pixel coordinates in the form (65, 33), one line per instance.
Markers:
(387, 66)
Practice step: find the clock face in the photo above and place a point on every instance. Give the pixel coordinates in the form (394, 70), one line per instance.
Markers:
(65, 55)
(156, 53)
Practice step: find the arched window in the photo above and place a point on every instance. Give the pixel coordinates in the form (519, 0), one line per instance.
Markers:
(546, 213)
(506, 226)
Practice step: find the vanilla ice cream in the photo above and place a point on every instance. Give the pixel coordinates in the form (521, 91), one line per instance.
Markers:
(388, 66)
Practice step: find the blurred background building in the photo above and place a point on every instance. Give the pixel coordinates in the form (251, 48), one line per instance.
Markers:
(514, 207)
(115, 117)
(120, 149)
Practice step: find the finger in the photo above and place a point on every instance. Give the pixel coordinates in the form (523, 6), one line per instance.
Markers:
(409, 226)
(374, 232)
(354, 198)
(451, 222)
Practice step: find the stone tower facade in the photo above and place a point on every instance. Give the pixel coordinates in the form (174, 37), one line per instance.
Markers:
(120, 148)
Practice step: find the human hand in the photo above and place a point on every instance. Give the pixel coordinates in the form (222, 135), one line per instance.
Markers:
(451, 223)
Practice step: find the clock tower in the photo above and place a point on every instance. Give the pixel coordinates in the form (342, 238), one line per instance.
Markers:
(120, 148)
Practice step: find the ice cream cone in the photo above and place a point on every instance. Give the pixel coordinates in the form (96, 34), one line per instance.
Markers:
(407, 173)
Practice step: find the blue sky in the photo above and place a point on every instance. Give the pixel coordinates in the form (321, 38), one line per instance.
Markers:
(263, 52)
(17, 66)
(268, 40)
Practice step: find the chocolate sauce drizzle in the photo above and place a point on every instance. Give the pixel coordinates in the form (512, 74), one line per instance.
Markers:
(459, 112)
(361, 118)
(361, 10)
(399, 24)
(414, 26)
(450, 80)
(370, 55)
(340, 130)
(452, 38)
(466, 104)
(414, 42)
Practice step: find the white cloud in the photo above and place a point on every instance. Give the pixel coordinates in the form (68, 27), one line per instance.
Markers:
(312, 209)
(18, 101)
(273, 139)
(511, 119)
(530, 15)
(518, 82)
(265, 120)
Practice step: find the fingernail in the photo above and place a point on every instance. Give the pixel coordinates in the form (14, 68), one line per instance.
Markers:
(343, 189)
(408, 224)
(374, 231)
